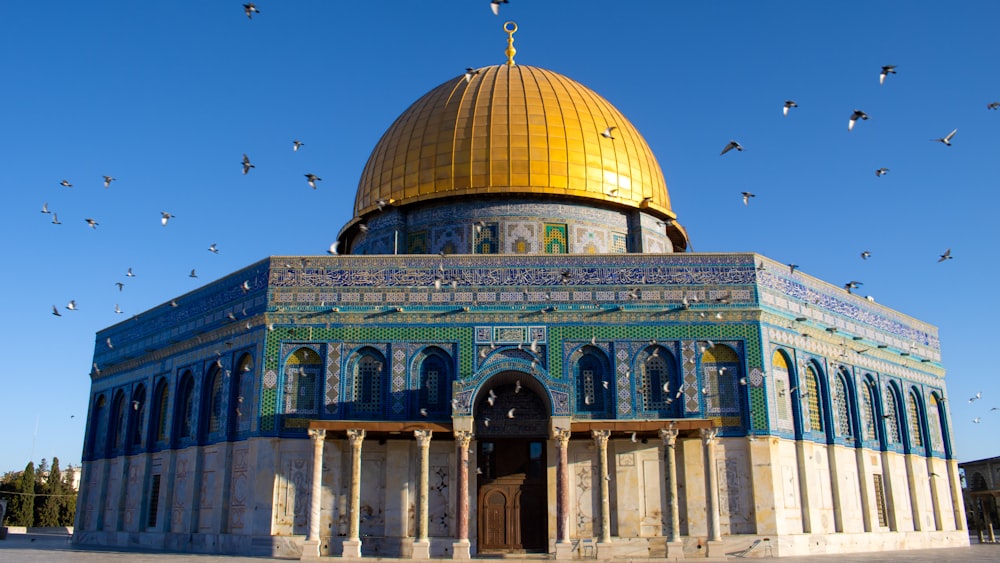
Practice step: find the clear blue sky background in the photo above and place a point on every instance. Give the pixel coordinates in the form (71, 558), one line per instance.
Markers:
(166, 97)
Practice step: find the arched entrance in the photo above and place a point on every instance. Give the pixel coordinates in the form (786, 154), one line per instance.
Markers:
(512, 419)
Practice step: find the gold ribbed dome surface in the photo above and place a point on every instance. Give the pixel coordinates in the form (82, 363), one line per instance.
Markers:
(512, 129)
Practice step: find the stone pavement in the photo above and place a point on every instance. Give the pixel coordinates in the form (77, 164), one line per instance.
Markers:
(39, 548)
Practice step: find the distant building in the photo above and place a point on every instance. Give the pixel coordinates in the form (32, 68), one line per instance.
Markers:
(516, 353)
(981, 491)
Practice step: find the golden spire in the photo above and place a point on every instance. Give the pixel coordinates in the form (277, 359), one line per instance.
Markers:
(510, 28)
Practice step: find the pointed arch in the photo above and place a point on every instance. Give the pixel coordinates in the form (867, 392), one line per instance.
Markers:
(368, 383)
(869, 411)
(184, 411)
(721, 375)
(136, 414)
(915, 422)
(659, 381)
(810, 389)
(843, 406)
(158, 413)
(935, 423)
(116, 433)
(212, 413)
(303, 370)
(592, 381)
(98, 422)
(781, 381)
(241, 397)
(434, 368)
(891, 416)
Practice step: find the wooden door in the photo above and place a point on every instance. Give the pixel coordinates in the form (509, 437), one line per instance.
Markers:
(512, 500)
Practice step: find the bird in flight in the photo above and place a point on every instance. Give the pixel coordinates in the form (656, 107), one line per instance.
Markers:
(852, 285)
(792, 268)
(120, 286)
(886, 71)
(946, 256)
(947, 138)
(858, 114)
(865, 255)
(510, 413)
(607, 132)
(993, 105)
(45, 207)
(72, 305)
(118, 310)
(312, 179)
(333, 248)
(55, 219)
(470, 72)
(747, 196)
(92, 223)
(249, 8)
(108, 180)
(976, 397)
(246, 163)
(192, 274)
(296, 144)
(495, 6)
(164, 217)
(65, 184)
(381, 203)
(129, 273)
(881, 172)
(213, 249)
(730, 146)
(55, 311)
(789, 104)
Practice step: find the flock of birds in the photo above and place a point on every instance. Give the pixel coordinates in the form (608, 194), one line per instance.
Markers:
(973, 399)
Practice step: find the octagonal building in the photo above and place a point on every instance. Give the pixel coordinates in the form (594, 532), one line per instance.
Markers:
(514, 352)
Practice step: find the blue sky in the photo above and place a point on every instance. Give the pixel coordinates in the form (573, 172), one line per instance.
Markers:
(166, 97)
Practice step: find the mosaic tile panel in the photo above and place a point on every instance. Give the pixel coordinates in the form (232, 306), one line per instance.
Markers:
(555, 240)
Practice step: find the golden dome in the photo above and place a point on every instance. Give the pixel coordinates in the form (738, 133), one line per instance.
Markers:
(513, 129)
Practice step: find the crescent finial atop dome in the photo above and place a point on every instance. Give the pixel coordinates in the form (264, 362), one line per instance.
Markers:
(510, 28)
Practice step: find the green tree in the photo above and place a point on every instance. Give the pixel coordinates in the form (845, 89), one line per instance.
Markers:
(67, 511)
(21, 508)
(49, 502)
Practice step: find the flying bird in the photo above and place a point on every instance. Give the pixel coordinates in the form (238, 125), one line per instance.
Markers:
(246, 163)
(495, 6)
(730, 146)
(993, 105)
(946, 256)
(881, 172)
(607, 132)
(634, 438)
(792, 268)
(852, 285)
(118, 310)
(249, 8)
(858, 114)
(747, 196)
(470, 72)
(312, 178)
(976, 397)
(517, 386)
(865, 255)
(164, 217)
(381, 203)
(55, 219)
(92, 223)
(192, 274)
(788, 105)
(333, 247)
(129, 273)
(245, 286)
(510, 413)
(886, 71)
(65, 184)
(55, 311)
(108, 180)
(120, 286)
(296, 144)
(213, 249)
(72, 305)
(423, 412)
(45, 207)
(947, 138)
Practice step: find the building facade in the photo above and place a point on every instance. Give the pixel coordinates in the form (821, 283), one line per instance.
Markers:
(516, 353)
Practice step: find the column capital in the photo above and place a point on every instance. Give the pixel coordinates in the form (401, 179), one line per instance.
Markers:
(463, 438)
(317, 434)
(669, 436)
(423, 437)
(561, 435)
(601, 437)
(708, 435)
(355, 436)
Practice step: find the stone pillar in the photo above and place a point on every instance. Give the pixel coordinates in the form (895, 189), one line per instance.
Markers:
(916, 500)
(675, 548)
(956, 495)
(865, 486)
(310, 548)
(601, 440)
(564, 547)
(934, 479)
(422, 547)
(352, 546)
(715, 547)
(460, 547)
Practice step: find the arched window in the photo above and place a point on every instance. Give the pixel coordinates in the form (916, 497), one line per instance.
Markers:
(184, 410)
(892, 425)
(780, 378)
(914, 420)
(158, 420)
(869, 431)
(98, 420)
(593, 381)
(212, 399)
(435, 381)
(116, 439)
(302, 374)
(241, 396)
(842, 411)
(137, 413)
(658, 382)
(812, 404)
(369, 382)
(935, 416)
(721, 387)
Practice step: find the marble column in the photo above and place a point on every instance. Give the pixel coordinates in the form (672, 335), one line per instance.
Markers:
(708, 438)
(460, 547)
(310, 549)
(564, 547)
(675, 547)
(601, 440)
(933, 479)
(955, 488)
(422, 547)
(352, 546)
